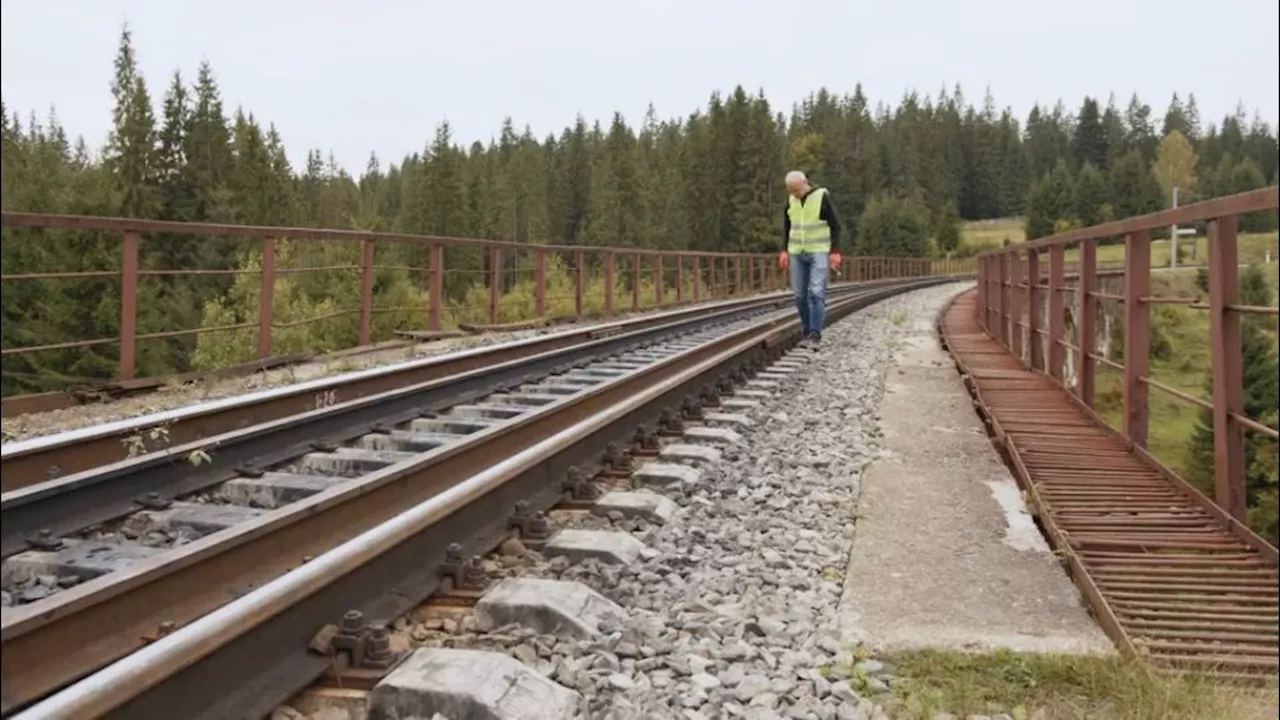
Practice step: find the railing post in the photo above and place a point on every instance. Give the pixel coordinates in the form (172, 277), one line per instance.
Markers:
(366, 291)
(982, 295)
(1057, 317)
(1137, 335)
(266, 297)
(579, 281)
(737, 274)
(635, 281)
(608, 283)
(1228, 374)
(1086, 309)
(128, 305)
(495, 283)
(697, 278)
(679, 279)
(1002, 292)
(1034, 323)
(658, 280)
(435, 287)
(540, 283)
(1017, 302)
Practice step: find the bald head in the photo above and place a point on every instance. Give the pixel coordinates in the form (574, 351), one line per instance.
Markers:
(797, 183)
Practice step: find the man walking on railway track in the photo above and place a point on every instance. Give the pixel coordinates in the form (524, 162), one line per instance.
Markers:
(810, 249)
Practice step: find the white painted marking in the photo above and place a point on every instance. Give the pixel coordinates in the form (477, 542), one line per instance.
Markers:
(1021, 533)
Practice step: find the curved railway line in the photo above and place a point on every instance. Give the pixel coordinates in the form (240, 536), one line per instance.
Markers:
(197, 576)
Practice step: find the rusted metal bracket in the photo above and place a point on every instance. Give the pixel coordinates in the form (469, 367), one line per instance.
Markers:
(366, 649)
(617, 462)
(710, 398)
(692, 409)
(45, 540)
(534, 528)
(645, 443)
(154, 501)
(464, 579)
(670, 424)
(579, 487)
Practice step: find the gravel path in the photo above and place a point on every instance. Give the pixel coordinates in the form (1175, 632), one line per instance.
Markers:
(733, 613)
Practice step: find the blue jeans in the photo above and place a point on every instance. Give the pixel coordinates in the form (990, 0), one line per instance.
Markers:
(809, 283)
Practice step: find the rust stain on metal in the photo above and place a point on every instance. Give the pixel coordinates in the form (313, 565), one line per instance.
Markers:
(1166, 579)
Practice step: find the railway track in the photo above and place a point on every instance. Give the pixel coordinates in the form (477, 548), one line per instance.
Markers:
(38, 460)
(248, 543)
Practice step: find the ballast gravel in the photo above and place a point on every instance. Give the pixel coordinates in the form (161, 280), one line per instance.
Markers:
(731, 611)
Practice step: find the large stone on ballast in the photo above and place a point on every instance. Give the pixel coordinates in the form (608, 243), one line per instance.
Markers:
(469, 685)
(552, 607)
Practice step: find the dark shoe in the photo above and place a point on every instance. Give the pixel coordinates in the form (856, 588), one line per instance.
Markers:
(813, 340)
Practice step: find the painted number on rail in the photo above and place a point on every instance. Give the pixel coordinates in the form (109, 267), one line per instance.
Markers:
(326, 398)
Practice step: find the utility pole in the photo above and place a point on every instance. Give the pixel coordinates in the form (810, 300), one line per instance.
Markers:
(1174, 233)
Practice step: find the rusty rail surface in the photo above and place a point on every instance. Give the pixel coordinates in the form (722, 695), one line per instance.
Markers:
(595, 272)
(246, 611)
(1171, 575)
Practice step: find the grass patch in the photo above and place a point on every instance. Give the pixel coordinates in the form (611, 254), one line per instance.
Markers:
(987, 234)
(1061, 687)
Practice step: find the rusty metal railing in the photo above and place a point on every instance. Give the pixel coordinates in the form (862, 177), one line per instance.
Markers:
(602, 281)
(1017, 296)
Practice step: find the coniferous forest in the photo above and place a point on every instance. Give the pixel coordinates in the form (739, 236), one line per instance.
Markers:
(903, 177)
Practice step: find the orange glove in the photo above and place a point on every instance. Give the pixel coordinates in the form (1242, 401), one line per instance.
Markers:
(836, 260)
(783, 259)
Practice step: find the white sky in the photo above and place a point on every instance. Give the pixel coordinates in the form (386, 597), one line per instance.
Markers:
(378, 75)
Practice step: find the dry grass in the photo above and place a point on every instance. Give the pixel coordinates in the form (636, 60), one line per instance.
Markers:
(986, 234)
(1062, 687)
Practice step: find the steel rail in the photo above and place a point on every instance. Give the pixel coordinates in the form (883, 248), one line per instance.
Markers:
(37, 460)
(55, 641)
(69, 504)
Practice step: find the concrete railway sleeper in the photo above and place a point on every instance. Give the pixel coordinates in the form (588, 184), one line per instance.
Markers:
(229, 616)
(37, 460)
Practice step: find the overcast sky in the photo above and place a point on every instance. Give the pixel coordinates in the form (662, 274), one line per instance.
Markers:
(378, 75)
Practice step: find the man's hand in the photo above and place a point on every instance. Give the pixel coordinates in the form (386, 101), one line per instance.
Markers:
(836, 260)
(783, 259)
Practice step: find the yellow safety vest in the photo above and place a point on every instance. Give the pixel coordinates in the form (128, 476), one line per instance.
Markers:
(809, 232)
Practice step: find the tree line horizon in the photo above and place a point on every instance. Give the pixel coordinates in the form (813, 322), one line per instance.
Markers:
(902, 177)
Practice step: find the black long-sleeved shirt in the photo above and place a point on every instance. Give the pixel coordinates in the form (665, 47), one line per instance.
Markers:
(828, 214)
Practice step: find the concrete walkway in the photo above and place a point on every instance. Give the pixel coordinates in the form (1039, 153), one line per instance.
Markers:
(945, 554)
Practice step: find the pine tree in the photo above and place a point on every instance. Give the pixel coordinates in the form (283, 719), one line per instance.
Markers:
(1091, 195)
(1089, 144)
(1134, 190)
(1051, 199)
(131, 151)
(894, 227)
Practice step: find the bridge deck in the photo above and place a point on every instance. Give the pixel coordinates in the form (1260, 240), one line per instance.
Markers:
(1165, 573)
